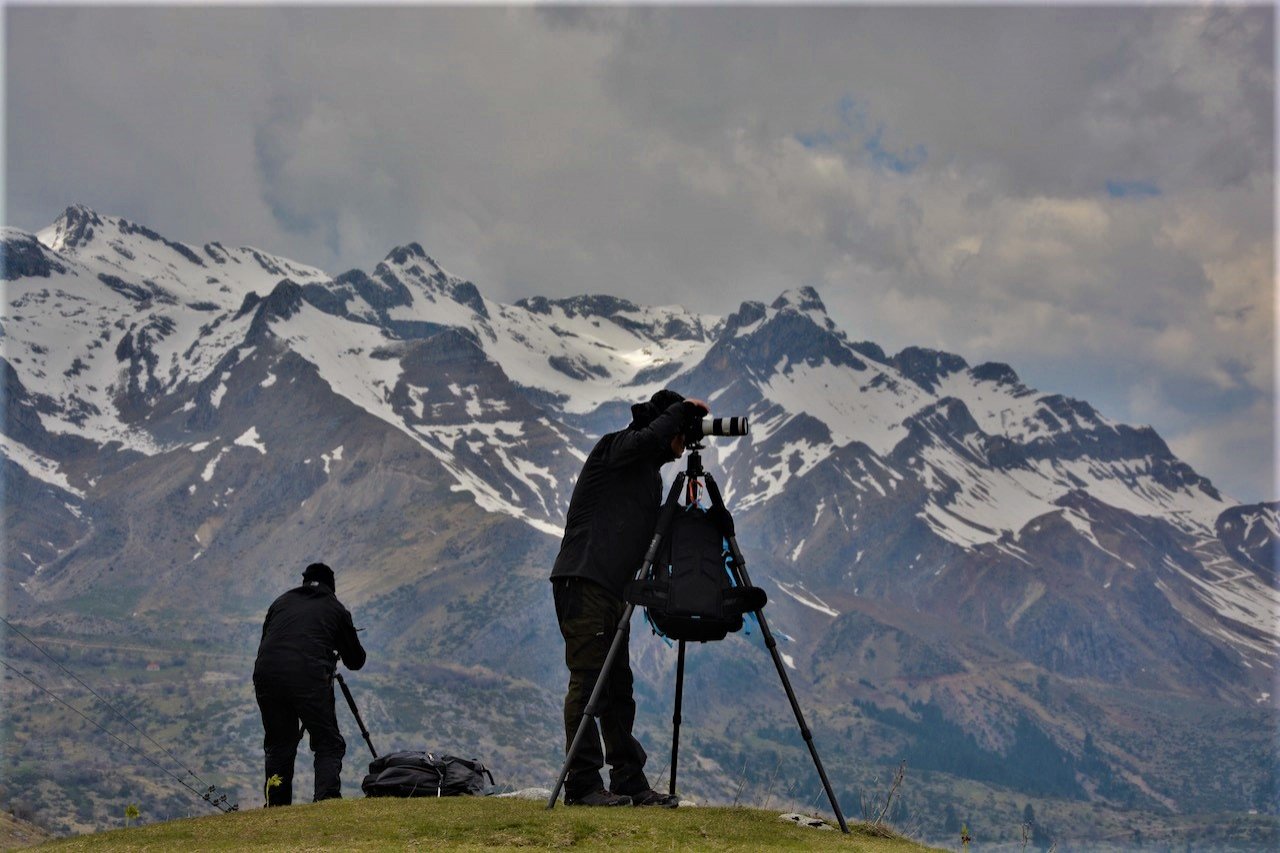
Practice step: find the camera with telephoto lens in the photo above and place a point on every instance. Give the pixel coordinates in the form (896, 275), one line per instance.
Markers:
(702, 427)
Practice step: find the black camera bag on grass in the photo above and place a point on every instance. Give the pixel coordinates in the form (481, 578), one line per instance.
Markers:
(414, 773)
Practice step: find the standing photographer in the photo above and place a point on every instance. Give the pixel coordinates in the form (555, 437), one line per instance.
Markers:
(611, 518)
(306, 632)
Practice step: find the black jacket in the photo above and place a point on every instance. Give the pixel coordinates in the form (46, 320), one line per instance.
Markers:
(615, 502)
(303, 630)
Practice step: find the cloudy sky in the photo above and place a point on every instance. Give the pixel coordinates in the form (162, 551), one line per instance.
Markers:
(1085, 193)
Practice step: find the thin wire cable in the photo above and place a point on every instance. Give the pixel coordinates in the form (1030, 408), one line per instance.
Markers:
(99, 697)
(114, 710)
(204, 795)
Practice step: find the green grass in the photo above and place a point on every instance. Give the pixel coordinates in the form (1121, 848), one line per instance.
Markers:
(466, 823)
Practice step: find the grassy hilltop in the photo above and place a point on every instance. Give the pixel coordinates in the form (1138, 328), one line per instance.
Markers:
(465, 823)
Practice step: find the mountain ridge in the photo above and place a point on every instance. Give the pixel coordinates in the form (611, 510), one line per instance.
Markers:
(1038, 448)
(202, 425)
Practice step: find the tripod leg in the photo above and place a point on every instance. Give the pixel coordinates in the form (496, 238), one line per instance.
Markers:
(675, 719)
(772, 645)
(740, 566)
(593, 704)
(355, 712)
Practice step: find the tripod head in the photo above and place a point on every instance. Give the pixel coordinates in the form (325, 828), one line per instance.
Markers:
(693, 467)
(694, 478)
(695, 475)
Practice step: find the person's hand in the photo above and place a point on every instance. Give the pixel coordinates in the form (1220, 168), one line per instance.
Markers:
(701, 404)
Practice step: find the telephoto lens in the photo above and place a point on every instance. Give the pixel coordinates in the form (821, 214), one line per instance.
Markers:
(730, 427)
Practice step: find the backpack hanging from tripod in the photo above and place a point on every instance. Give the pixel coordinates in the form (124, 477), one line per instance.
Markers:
(694, 592)
(694, 586)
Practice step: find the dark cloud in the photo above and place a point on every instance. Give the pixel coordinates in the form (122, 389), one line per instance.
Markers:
(1083, 192)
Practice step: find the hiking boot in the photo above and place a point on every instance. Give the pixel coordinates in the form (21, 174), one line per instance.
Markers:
(653, 798)
(602, 797)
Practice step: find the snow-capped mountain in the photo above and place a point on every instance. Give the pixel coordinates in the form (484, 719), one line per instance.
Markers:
(186, 420)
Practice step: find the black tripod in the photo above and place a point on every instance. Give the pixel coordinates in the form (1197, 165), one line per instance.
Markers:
(693, 474)
(355, 712)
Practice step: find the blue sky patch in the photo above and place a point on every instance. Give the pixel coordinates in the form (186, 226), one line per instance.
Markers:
(1133, 189)
(853, 130)
(903, 163)
(817, 139)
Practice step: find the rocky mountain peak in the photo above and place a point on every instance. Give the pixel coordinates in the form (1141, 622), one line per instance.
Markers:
(587, 305)
(23, 255)
(926, 366)
(74, 228)
(948, 416)
(410, 263)
(997, 372)
(948, 422)
(126, 228)
(409, 254)
(747, 314)
(871, 350)
(1061, 413)
(795, 329)
(804, 300)
(80, 226)
(801, 299)
(466, 293)
(283, 302)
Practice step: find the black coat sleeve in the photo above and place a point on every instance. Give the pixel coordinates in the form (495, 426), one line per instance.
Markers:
(651, 443)
(348, 643)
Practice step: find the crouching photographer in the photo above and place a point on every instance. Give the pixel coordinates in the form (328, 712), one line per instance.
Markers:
(612, 516)
(306, 632)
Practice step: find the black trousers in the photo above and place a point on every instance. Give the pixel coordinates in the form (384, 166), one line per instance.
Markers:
(285, 705)
(589, 615)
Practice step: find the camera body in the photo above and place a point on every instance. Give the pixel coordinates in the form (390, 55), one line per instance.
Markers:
(727, 427)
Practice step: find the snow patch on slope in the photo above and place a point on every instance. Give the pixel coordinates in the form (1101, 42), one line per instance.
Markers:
(852, 408)
(40, 468)
(808, 599)
(587, 360)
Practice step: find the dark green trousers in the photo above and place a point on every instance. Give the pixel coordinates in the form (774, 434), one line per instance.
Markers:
(284, 704)
(589, 615)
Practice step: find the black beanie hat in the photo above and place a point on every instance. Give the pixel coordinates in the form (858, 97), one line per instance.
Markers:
(320, 573)
(642, 414)
(664, 399)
